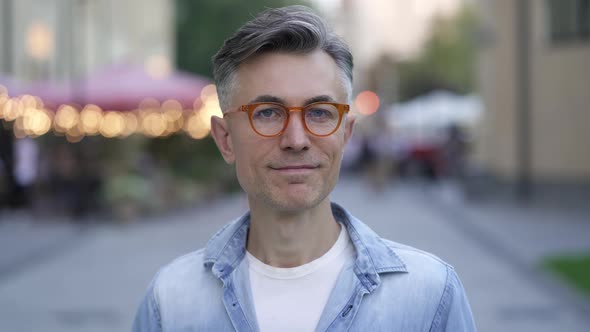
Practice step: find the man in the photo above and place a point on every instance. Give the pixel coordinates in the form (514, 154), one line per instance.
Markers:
(296, 261)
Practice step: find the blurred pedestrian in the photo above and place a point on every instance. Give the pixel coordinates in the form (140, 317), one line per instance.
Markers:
(380, 166)
(296, 261)
(63, 180)
(14, 192)
(454, 150)
(26, 165)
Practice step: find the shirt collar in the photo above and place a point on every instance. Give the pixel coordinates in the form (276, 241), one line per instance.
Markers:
(226, 249)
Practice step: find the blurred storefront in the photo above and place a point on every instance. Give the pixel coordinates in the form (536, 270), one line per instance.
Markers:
(65, 39)
(92, 86)
(534, 78)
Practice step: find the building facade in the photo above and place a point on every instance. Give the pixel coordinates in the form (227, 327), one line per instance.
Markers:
(534, 78)
(66, 39)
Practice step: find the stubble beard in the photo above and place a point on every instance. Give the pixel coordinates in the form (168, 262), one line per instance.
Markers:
(279, 199)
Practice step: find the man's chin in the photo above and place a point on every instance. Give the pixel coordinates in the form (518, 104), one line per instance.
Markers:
(295, 200)
(293, 207)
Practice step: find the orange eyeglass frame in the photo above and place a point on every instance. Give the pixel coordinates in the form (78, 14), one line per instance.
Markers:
(249, 109)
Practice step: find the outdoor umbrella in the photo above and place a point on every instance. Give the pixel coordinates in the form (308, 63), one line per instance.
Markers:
(120, 87)
(124, 87)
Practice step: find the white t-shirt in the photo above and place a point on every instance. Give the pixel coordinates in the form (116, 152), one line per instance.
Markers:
(293, 299)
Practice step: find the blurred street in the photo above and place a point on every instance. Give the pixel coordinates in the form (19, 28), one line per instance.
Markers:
(471, 137)
(57, 276)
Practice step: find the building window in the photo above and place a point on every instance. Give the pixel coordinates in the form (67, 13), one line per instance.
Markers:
(569, 20)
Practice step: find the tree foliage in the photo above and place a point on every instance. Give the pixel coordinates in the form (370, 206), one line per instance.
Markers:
(447, 61)
(202, 26)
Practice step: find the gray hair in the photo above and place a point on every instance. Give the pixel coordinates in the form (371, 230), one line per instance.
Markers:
(292, 29)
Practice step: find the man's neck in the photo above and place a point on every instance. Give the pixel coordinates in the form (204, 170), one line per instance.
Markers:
(291, 239)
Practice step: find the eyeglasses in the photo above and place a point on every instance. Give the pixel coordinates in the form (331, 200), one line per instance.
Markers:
(271, 119)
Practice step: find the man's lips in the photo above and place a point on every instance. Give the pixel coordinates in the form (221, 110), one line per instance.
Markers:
(294, 167)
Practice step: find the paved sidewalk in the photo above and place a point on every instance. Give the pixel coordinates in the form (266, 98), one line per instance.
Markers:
(97, 282)
(26, 240)
(506, 292)
(528, 231)
(522, 234)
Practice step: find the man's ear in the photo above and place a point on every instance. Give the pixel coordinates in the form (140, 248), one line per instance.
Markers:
(221, 136)
(350, 121)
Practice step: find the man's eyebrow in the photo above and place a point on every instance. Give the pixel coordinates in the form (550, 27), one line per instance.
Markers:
(318, 99)
(267, 98)
(274, 99)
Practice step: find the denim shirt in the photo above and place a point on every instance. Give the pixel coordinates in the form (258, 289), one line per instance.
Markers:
(389, 287)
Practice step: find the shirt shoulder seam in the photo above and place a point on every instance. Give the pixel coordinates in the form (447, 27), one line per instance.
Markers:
(180, 260)
(443, 302)
(396, 248)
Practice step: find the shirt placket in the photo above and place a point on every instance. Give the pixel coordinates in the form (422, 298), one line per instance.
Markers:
(346, 316)
(237, 299)
(234, 310)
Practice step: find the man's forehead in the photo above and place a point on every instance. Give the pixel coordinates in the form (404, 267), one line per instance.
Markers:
(289, 78)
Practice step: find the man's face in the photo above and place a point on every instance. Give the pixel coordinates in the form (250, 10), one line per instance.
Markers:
(296, 170)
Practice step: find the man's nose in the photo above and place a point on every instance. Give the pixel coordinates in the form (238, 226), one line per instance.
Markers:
(295, 137)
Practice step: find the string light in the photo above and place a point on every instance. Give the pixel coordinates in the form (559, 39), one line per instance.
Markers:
(90, 119)
(131, 124)
(195, 126)
(152, 119)
(66, 118)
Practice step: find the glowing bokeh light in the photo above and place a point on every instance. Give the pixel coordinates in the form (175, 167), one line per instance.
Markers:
(198, 123)
(367, 102)
(197, 104)
(178, 124)
(113, 124)
(158, 66)
(211, 108)
(13, 109)
(43, 123)
(152, 118)
(36, 122)
(172, 110)
(66, 118)
(18, 128)
(154, 124)
(90, 119)
(171, 105)
(195, 126)
(209, 91)
(38, 102)
(28, 101)
(149, 104)
(25, 121)
(74, 135)
(131, 124)
(39, 41)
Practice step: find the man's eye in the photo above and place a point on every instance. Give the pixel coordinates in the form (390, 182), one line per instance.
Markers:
(267, 113)
(318, 113)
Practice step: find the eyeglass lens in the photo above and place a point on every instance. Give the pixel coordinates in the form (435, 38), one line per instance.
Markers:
(270, 119)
